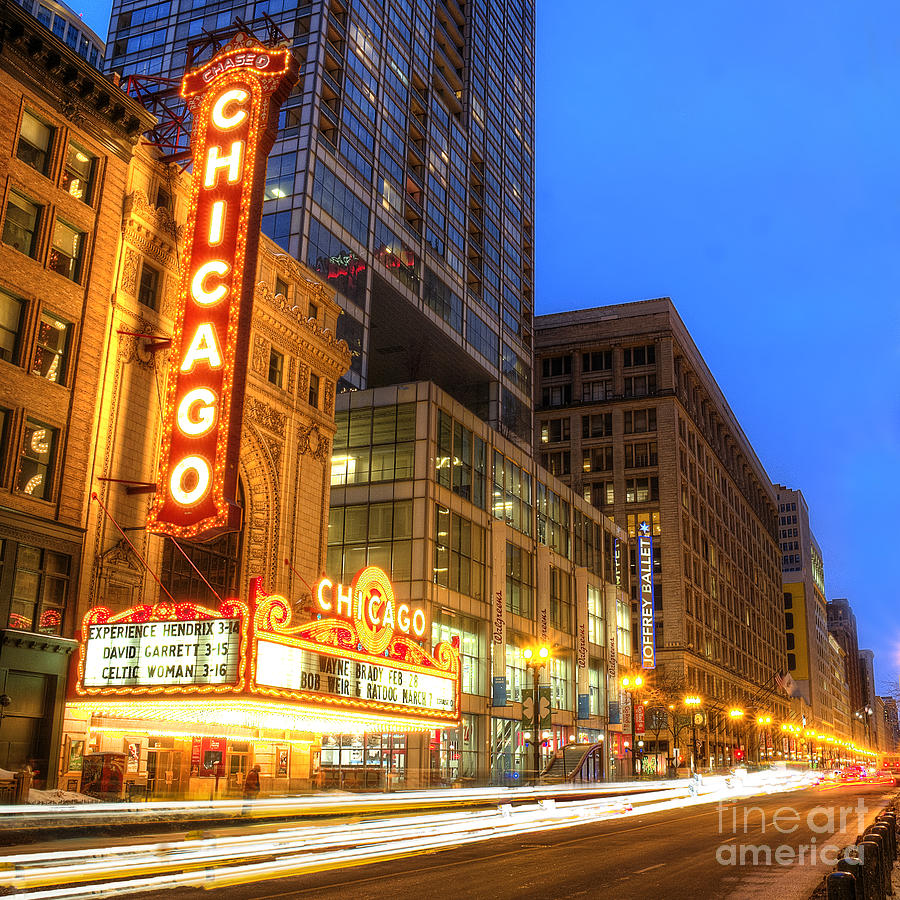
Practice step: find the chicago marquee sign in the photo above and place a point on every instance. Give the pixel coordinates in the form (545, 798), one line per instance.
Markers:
(235, 99)
(361, 654)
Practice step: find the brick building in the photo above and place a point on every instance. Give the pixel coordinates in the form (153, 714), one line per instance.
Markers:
(629, 414)
(66, 140)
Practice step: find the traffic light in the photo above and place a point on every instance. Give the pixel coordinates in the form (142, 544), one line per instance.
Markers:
(738, 754)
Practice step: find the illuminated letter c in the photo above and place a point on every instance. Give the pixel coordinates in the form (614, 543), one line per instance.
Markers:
(199, 292)
(220, 118)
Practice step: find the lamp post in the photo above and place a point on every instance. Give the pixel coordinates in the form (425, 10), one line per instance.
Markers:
(692, 703)
(632, 684)
(535, 659)
(761, 721)
(736, 715)
(5, 700)
(863, 715)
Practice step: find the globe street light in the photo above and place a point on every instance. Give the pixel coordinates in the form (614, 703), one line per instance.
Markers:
(736, 715)
(692, 703)
(632, 684)
(760, 721)
(535, 658)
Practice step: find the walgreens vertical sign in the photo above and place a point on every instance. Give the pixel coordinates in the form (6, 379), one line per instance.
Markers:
(235, 99)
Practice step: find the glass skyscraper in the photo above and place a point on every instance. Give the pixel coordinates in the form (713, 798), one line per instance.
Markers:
(403, 173)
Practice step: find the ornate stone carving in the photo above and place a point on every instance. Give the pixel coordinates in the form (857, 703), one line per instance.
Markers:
(145, 242)
(329, 398)
(260, 356)
(130, 271)
(158, 216)
(311, 442)
(72, 111)
(263, 414)
(303, 381)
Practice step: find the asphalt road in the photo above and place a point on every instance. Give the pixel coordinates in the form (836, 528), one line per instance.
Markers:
(692, 853)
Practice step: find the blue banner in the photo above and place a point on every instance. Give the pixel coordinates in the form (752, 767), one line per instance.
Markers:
(499, 697)
(584, 706)
(645, 595)
(615, 713)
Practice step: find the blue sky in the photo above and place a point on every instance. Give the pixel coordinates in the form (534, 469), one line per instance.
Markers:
(742, 159)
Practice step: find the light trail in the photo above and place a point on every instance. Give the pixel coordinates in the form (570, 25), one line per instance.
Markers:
(222, 861)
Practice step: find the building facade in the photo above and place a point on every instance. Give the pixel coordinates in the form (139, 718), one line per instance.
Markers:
(67, 140)
(403, 173)
(629, 415)
(464, 519)
(842, 627)
(803, 584)
(69, 27)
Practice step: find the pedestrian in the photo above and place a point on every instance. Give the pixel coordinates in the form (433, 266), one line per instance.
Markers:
(251, 788)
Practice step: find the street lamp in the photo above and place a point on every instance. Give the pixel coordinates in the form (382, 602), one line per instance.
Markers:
(863, 715)
(632, 684)
(736, 715)
(760, 721)
(534, 660)
(692, 703)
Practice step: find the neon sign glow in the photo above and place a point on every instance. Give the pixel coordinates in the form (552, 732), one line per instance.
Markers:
(235, 100)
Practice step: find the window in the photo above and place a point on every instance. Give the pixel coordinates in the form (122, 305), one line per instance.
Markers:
(51, 347)
(788, 600)
(20, 224)
(592, 391)
(623, 626)
(519, 581)
(68, 247)
(554, 430)
(638, 456)
(790, 640)
(600, 493)
(314, 312)
(36, 461)
(34, 143)
(461, 460)
(10, 322)
(599, 425)
(218, 559)
(39, 591)
(598, 459)
(458, 553)
(640, 385)
(276, 368)
(596, 630)
(639, 356)
(444, 627)
(639, 421)
(376, 534)
(557, 396)
(148, 289)
(558, 463)
(560, 599)
(640, 490)
(374, 445)
(281, 287)
(555, 366)
(598, 361)
(78, 174)
(314, 390)
(788, 620)
(512, 494)
(792, 660)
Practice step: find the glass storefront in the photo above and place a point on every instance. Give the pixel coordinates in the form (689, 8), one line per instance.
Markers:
(359, 762)
(454, 754)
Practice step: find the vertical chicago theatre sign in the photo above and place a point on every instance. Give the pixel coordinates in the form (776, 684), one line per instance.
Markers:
(235, 99)
(645, 593)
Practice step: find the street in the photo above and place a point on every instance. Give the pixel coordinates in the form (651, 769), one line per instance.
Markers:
(770, 845)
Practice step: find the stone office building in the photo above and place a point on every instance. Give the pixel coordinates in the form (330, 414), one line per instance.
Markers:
(628, 413)
(66, 142)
